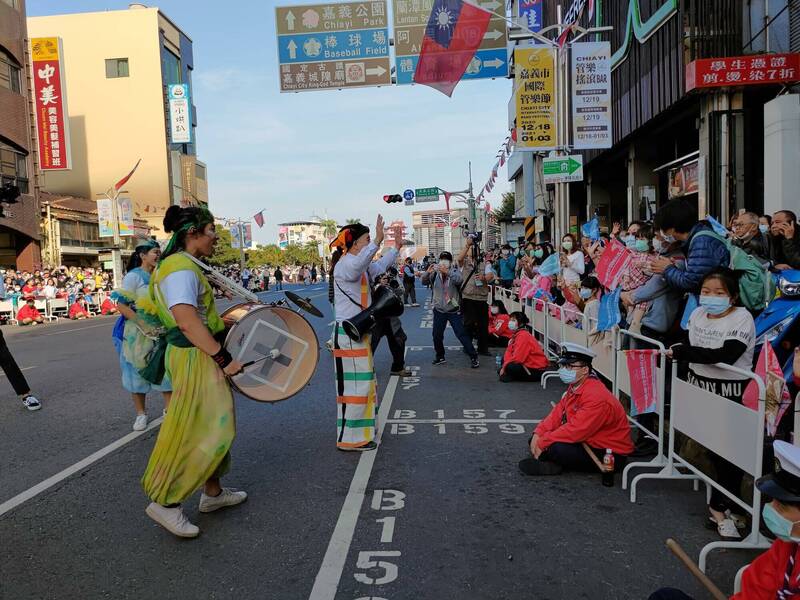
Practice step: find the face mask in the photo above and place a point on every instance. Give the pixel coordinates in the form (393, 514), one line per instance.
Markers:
(567, 375)
(504, 252)
(669, 239)
(778, 524)
(512, 326)
(495, 310)
(763, 228)
(658, 245)
(630, 242)
(715, 305)
(585, 293)
(445, 263)
(538, 253)
(567, 245)
(641, 246)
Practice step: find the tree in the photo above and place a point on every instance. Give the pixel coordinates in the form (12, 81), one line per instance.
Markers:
(329, 227)
(353, 221)
(506, 209)
(224, 253)
(270, 255)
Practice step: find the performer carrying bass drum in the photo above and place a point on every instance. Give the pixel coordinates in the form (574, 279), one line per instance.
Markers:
(352, 270)
(193, 446)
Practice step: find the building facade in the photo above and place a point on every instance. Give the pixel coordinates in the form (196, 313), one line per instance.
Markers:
(19, 228)
(119, 68)
(725, 148)
(301, 233)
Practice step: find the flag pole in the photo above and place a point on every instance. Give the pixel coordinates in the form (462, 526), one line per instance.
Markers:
(535, 34)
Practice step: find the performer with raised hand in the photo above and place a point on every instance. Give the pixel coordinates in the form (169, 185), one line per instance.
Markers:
(193, 445)
(352, 269)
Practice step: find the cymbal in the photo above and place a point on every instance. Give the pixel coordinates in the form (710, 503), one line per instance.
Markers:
(303, 304)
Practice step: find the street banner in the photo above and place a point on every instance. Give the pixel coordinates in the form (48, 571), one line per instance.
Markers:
(283, 237)
(52, 119)
(734, 71)
(534, 84)
(180, 119)
(591, 95)
(683, 180)
(105, 217)
(642, 366)
(610, 314)
(614, 262)
(247, 230)
(778, 399)
(530, 13)
(125, 212)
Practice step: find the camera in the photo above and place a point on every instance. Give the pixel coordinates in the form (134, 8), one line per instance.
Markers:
(475, 236)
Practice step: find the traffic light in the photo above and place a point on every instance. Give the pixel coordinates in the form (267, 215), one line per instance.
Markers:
(389, 199)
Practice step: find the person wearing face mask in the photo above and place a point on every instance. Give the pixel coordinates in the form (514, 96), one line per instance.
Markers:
(499, 333)
(638, 272)
(720, 331)
(507, 265)
(524, 360)
(748, 236)
(446, 280)
(587, 413)
(776, 572)
(590, 292)
(573, 262)
(474, 292)
(352, 269)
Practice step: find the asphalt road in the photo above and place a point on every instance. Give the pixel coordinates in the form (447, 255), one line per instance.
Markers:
(439, 511)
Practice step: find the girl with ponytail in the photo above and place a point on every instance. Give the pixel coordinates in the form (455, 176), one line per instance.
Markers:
(352, 268)
(193, 445)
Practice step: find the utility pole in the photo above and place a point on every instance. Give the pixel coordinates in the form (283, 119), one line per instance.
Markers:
(471, 202)
(116, 251)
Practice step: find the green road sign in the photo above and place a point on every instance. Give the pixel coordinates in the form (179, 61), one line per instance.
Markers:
(429, 194)
(563, 169)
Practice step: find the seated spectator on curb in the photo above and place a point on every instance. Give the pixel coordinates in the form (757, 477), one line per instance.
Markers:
(524, 360)
(677, 220)
(79, 309)
(719, 332)
(587, 413)
(28, 315)
(108, 307)
(785, 241)
(499, 333)
(775, 573)
(748, 237)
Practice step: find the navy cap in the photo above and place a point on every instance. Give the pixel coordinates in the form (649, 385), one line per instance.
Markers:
(784, 483)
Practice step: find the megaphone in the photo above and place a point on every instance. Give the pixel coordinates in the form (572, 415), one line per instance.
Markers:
(385, 304)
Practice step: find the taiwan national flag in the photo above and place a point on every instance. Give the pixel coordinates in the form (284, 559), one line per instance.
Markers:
(454, 32)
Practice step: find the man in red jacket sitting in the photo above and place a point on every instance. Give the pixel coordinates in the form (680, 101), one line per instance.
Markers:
(587, 412)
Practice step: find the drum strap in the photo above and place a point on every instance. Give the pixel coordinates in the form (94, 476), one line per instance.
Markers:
(156, 369)
(363, 294)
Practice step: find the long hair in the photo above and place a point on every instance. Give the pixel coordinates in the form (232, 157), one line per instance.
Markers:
(178, 221)
(135, 261)
(343, 242)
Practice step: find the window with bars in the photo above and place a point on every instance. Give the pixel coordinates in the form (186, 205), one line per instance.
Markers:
(9, 72)
(13, 168)
(117, 67)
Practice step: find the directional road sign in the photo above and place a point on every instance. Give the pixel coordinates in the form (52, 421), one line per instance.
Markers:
(408, 194)
(429, 194)
(411, 18)
(329, 46)
(563, 169)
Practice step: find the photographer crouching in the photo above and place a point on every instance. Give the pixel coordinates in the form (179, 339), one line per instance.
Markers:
(391, 327)
(478, 276)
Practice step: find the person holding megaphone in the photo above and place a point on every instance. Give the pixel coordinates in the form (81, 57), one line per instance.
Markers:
(352, 270)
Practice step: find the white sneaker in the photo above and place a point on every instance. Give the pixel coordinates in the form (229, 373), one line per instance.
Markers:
(173, 520)
(227, 497)
(31, 402)
(415, 305)
(140, 424)
(727, 529)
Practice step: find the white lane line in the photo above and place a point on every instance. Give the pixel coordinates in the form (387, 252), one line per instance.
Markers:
(327, 580)
(22, 369)
(77, 467)
(458, 421)
(78, 329)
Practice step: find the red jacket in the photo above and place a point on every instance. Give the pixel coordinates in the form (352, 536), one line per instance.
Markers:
(525, 350)
(107, 306)
(28, 312)
(498, 325)
(76, 310)
(764, 577)
(593, 415)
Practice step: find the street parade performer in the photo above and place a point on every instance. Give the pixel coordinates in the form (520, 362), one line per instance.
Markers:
(132, 345)
(587, 413)
(193, 445)
(352, 270)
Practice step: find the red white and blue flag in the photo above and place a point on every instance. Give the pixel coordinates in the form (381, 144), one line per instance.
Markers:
(454, 32)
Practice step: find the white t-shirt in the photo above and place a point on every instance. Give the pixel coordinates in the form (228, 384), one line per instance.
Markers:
(713, 333)
(183, 287)
(577, 265)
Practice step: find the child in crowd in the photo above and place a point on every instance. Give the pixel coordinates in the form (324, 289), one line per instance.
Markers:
(79, 309)
(499, 333)
(590, 292)
(108, 307)
(524, 360)
(720, 331)
(28, 315)
(638, 273)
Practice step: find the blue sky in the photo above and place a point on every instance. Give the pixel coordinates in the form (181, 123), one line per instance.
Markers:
(298, 155)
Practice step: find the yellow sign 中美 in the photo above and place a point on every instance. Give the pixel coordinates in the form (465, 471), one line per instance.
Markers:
(535, 98)
(44, 48)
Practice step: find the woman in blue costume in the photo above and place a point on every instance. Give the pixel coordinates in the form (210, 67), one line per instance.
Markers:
(136, 340)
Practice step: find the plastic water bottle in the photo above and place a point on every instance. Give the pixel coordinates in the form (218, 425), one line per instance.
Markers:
(608, 464)
(498, 362)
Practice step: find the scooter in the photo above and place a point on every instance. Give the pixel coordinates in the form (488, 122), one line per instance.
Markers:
(780, 321)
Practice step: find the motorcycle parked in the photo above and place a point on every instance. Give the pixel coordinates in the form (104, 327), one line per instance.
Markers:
(780, 321)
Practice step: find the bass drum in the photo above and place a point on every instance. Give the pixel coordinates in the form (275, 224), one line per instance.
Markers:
(284, 337)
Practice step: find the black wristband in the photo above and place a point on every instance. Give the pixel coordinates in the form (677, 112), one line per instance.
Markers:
(223, 358)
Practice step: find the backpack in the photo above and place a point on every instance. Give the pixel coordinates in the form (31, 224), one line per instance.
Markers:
(754, 279)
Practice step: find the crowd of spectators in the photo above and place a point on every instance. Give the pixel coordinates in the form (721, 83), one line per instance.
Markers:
(262, 277)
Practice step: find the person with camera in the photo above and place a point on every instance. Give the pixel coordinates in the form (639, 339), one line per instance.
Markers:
(474, 292)
(445, 278)
(409, 283)
(392, 328)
